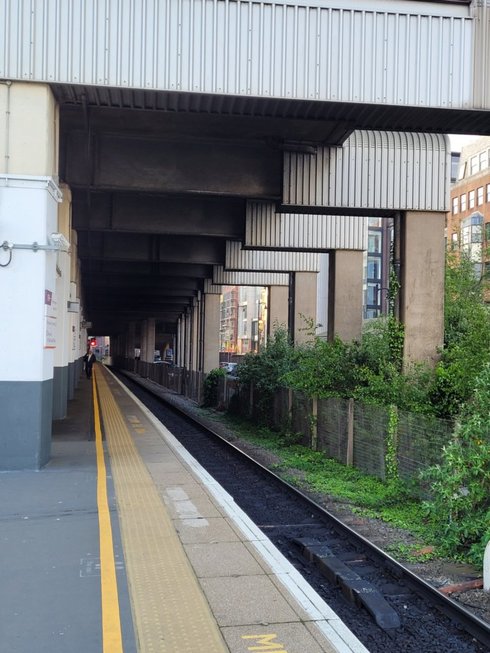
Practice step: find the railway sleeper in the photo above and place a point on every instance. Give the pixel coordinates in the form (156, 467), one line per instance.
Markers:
(354, 587)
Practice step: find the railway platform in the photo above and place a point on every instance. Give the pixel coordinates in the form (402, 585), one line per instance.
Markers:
(123, 543)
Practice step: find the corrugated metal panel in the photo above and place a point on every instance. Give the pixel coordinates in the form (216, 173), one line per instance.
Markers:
(212, 289)
(372, 170)
(481, 49)
(266, 228)
(266, 261)
(416, 54)
(231, 278)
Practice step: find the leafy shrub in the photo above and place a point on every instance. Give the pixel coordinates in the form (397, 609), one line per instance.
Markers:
(460, 504)
(266, 370)
(210, 387)
(466, 351)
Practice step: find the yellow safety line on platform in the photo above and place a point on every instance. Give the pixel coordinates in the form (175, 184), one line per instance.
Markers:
(170, 611)
(111, 622)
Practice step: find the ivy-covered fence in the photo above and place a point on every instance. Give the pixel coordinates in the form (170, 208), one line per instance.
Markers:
(383, 442)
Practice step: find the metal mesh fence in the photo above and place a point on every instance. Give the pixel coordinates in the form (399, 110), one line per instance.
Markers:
(281, 415)
(301, 417)
(370, 429)
(420, 442)
(332, 427)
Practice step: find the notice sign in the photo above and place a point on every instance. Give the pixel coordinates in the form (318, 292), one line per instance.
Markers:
(49, 320)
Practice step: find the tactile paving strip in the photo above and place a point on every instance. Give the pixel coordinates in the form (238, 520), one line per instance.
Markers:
(170, 611)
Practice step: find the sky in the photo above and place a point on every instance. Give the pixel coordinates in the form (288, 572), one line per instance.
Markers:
(459, 140)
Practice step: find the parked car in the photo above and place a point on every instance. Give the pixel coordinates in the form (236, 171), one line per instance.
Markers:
(230, 368)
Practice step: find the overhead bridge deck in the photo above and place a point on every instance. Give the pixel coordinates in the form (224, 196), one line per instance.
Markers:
(189, 572)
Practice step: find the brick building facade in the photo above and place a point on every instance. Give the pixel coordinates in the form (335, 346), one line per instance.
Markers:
(468, 225)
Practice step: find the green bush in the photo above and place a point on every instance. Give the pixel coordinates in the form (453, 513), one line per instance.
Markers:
(265, 372)
(460, 484)
(466, 350)
(210, 387)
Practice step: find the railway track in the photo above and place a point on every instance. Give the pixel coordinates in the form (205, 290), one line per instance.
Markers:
(384, 604)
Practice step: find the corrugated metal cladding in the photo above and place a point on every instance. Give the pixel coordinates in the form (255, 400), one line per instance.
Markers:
(259, 260)
(296, 231)
(372, 170)
(211, 289)
(481, 48)
(231, 278)
(398, 52)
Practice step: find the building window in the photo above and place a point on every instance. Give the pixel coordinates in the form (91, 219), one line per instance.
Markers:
(488, 192)
(462, 170)
(479, 195)
(483, 160)
(487, 232)
(372, 298)
(476, 234)
(473, 165)
(374, 267)
(455, 205)
(463, 202)
(471, 199)
(374, 243)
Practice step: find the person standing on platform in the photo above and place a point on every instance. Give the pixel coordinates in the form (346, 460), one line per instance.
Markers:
(89, 359)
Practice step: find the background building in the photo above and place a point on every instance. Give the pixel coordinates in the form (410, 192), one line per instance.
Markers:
(243, 320)
(468, 224)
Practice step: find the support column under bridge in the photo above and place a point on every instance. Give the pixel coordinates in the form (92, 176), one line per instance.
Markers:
(382, 174)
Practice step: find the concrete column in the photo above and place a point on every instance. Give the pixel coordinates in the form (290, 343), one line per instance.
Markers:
(148, 338)
(182, 323)
(150, 343)
(211, 333)
(143, 337)
(304, 304)
(422, 285)
(345, 274)
(177, 343)
(278, 307)
(76, 323)
(131, 341)
(62, 353)
(187, 340)
(195, 331)
(29, 197)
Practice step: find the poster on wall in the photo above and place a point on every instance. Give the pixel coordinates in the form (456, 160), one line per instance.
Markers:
(50, 309)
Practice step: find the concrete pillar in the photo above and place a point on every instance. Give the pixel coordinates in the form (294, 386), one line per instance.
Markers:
(143, 337)
(304, 305)
(422, 284)
(195, 334)
(29, 197)
(63, 345)
(178, 342)
(278, 307)
(131, 341)
(211, 333)
(76, 323)
(345, 274)
(148, 340)
(188, 339)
